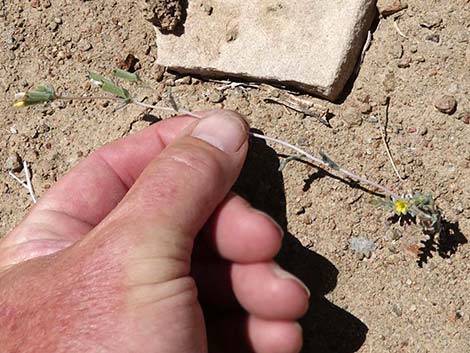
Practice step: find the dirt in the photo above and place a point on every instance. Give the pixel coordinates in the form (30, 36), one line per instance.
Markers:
(164, 14)
(381, 303)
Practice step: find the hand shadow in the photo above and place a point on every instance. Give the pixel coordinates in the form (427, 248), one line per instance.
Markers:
(327, 328)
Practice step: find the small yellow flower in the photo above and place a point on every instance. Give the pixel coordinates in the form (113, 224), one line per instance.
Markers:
(19, 104)
(401, 206)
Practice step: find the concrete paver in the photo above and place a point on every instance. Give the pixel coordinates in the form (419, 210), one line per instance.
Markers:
(309, 45)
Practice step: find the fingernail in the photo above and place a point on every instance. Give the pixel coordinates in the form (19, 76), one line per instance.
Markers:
(283, 274)
(264, 214)
(223, 130)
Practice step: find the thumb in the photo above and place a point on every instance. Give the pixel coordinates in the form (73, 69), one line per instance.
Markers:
(177, 193)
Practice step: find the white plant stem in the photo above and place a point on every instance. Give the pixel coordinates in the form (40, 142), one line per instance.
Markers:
(27, 184)
(324, 164)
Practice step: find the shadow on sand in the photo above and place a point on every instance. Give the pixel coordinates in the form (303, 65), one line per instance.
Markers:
(327, 328)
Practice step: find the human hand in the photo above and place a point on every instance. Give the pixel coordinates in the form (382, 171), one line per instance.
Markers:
(108, 259)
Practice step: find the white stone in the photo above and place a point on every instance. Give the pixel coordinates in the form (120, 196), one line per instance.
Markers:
(309, 45)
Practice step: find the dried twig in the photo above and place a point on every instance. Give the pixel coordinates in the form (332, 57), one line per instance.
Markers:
(27, 184)
(395, 24)
(383, 133)
(319, 113)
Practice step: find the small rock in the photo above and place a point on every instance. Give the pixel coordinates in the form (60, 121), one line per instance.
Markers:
(53, 26)
(352, 117)
(404, 63)
(58, 20)
(431, 21)
(465, 117)
(389, 82)
(128, 63)
(389, 7)
(208, 9)
(86, 85)
(186, 80)
(84, 45)
(216, 97)
(159, 72)
(420, 59)
(362, 246)
(35, 3)
(396, 50)
(365, 108)
(436, 38)
(423, 130)
(446, 104)
(170, 82)
(13, 163)
(397, 310)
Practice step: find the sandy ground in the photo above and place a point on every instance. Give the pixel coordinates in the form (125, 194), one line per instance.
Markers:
(384, 303)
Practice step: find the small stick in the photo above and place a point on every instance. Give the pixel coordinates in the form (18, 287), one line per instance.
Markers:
(395, 24)
(364, 50)
(26, 184)
(383, 132)
(28, 181)
(318, 116)
(167, 109)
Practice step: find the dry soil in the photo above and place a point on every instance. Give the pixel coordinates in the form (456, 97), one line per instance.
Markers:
(384, 303)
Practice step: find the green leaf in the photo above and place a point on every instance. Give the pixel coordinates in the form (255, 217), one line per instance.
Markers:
(328, 161)
(125, 75)
(109, 86)
(171, 100)
(40, 94)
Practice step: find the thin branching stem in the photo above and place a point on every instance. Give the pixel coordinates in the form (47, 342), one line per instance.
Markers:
(84, 98)
(167, 109)
(324, 164)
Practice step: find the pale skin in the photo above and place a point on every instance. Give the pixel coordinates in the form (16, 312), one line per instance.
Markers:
(143, 248)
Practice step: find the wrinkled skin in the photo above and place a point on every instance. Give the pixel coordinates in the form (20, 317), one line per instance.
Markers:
(142, 248)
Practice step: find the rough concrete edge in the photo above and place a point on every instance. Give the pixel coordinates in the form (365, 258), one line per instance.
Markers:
(331, 92)
(244, 77)
(350, 61)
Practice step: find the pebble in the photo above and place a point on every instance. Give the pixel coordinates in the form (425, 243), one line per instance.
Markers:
(397, 310)
(404, 63)
(365, 108)
(389, 7)
(13, 163)
(389, 82)
(436, 38)
(446, 104)
(84, 45)
(169, 82)
(396, 50)
(216, 97)
(352, 117)
(53, 26)
(186, 80)
(465, 117)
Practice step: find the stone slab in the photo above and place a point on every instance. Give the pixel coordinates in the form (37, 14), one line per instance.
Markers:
(308, 45)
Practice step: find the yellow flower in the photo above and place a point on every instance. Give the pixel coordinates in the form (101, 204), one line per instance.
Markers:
(19, 104)
(401, 206)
